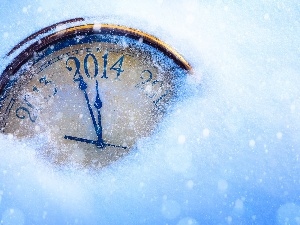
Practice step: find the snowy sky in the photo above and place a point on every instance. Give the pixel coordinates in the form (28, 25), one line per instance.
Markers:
(227, 154)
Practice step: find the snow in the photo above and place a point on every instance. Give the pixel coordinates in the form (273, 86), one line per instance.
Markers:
(227, 152)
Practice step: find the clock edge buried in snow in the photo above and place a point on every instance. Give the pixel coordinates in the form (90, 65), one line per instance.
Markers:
(136, 49)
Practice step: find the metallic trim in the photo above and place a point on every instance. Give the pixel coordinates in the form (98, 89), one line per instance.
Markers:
(55, 36)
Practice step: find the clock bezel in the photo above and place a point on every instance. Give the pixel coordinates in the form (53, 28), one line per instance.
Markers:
(78, 26)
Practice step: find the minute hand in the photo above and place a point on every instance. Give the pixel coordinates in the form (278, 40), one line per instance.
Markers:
(83, 87)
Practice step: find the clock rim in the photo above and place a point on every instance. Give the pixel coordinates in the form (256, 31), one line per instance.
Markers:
(79, 26)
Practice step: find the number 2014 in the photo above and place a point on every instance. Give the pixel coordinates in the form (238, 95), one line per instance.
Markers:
(117, 66)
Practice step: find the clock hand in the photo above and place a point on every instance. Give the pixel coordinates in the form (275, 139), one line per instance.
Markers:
(83, 87)
(80, 139)
(98, 128)
(93, 142)
(98, 105)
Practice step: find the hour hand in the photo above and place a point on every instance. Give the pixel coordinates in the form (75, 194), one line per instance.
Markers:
(98, 106)
(97, 143)
(98, 102)
(80, 139)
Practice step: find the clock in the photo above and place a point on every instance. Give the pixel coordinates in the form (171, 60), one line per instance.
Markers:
(85, 93)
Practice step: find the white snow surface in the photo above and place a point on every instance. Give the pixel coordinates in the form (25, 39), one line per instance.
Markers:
(228, 151)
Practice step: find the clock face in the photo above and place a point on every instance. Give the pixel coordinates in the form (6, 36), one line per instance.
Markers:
(85, 96)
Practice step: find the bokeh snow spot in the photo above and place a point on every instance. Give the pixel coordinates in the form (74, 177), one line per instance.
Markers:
(5, 35)
(190, 184)
(239, 205)
(279, 135)
(252, 143)
(205, 132)
(222, 185)
(170, 209)
(181, 139)
(187, 221)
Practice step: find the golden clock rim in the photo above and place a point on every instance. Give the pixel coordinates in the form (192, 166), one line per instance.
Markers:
(53, 36)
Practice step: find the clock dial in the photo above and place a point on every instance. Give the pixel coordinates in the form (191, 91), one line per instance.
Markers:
(85, 96)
